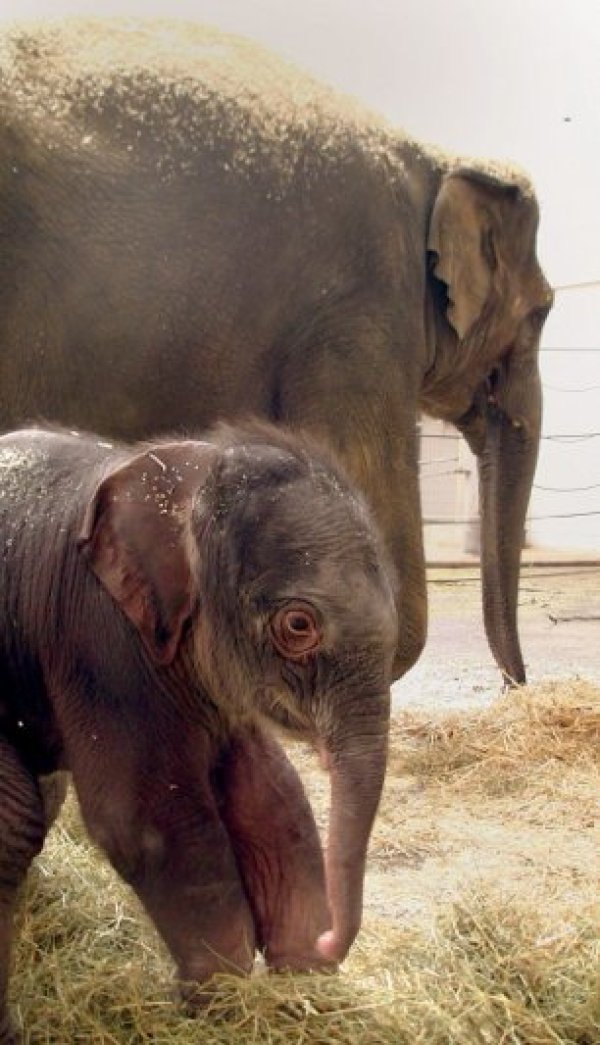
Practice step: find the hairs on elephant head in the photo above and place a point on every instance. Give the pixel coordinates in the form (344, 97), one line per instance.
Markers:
(165, 606)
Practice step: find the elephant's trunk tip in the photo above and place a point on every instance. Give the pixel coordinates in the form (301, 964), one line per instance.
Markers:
(514, 680)
(334, 943)
(327, 946)
(333, 947)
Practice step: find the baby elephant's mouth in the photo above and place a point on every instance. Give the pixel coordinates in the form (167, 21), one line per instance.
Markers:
(282, 711)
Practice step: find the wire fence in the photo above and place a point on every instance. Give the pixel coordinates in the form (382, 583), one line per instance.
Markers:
(432, 468)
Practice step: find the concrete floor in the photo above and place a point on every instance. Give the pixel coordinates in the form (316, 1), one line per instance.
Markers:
(559, 623)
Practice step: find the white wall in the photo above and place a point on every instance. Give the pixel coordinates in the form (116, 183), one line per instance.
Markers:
(571, 406)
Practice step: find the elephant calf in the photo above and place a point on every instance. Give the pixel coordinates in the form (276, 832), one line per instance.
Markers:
(161, 606)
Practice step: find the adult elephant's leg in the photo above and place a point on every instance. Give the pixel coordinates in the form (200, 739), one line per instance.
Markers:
(396, 502)
(22, 830)
(159, 824)
(276, 842)
(362, 401)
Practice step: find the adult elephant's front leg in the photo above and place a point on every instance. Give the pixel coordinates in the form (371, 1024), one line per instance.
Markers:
(276, 842)
(161, 830)
(360, 401)
(396, 502)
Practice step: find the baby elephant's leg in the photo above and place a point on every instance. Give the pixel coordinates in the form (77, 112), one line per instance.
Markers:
(163, 834)
(54, 791)
(277, 846)
(22, 830)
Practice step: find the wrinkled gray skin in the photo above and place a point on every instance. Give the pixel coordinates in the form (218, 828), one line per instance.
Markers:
(189, 229)
(160, 607)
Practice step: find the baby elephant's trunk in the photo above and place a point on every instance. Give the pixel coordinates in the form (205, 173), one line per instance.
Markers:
(357, 775)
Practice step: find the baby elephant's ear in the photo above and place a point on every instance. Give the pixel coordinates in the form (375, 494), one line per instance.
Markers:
(138, 540)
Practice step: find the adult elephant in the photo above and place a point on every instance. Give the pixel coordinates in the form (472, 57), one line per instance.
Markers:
(191, 229)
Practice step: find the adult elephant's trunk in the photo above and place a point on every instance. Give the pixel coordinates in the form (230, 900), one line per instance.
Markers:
(356, 782)
(506, 468)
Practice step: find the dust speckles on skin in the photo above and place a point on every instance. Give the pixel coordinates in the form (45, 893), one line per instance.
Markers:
(17, 490)
(175, 95)
(158, 461)
(15, 463)
(14, 458)
(194, 90)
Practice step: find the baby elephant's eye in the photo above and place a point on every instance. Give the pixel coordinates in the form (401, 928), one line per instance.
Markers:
(294, 631)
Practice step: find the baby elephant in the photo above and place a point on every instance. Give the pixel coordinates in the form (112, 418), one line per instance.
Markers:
(161, 607)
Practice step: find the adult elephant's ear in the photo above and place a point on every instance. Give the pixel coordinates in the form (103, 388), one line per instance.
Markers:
(461, 241)
(137, 537)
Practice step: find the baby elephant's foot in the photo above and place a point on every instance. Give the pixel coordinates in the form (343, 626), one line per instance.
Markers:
(231, 953)
(198, 997)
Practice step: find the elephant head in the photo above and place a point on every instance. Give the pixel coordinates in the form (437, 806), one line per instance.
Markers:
(252, 571)
(487, 303)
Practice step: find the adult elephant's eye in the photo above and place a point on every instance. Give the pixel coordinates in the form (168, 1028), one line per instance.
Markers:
(294, 631)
